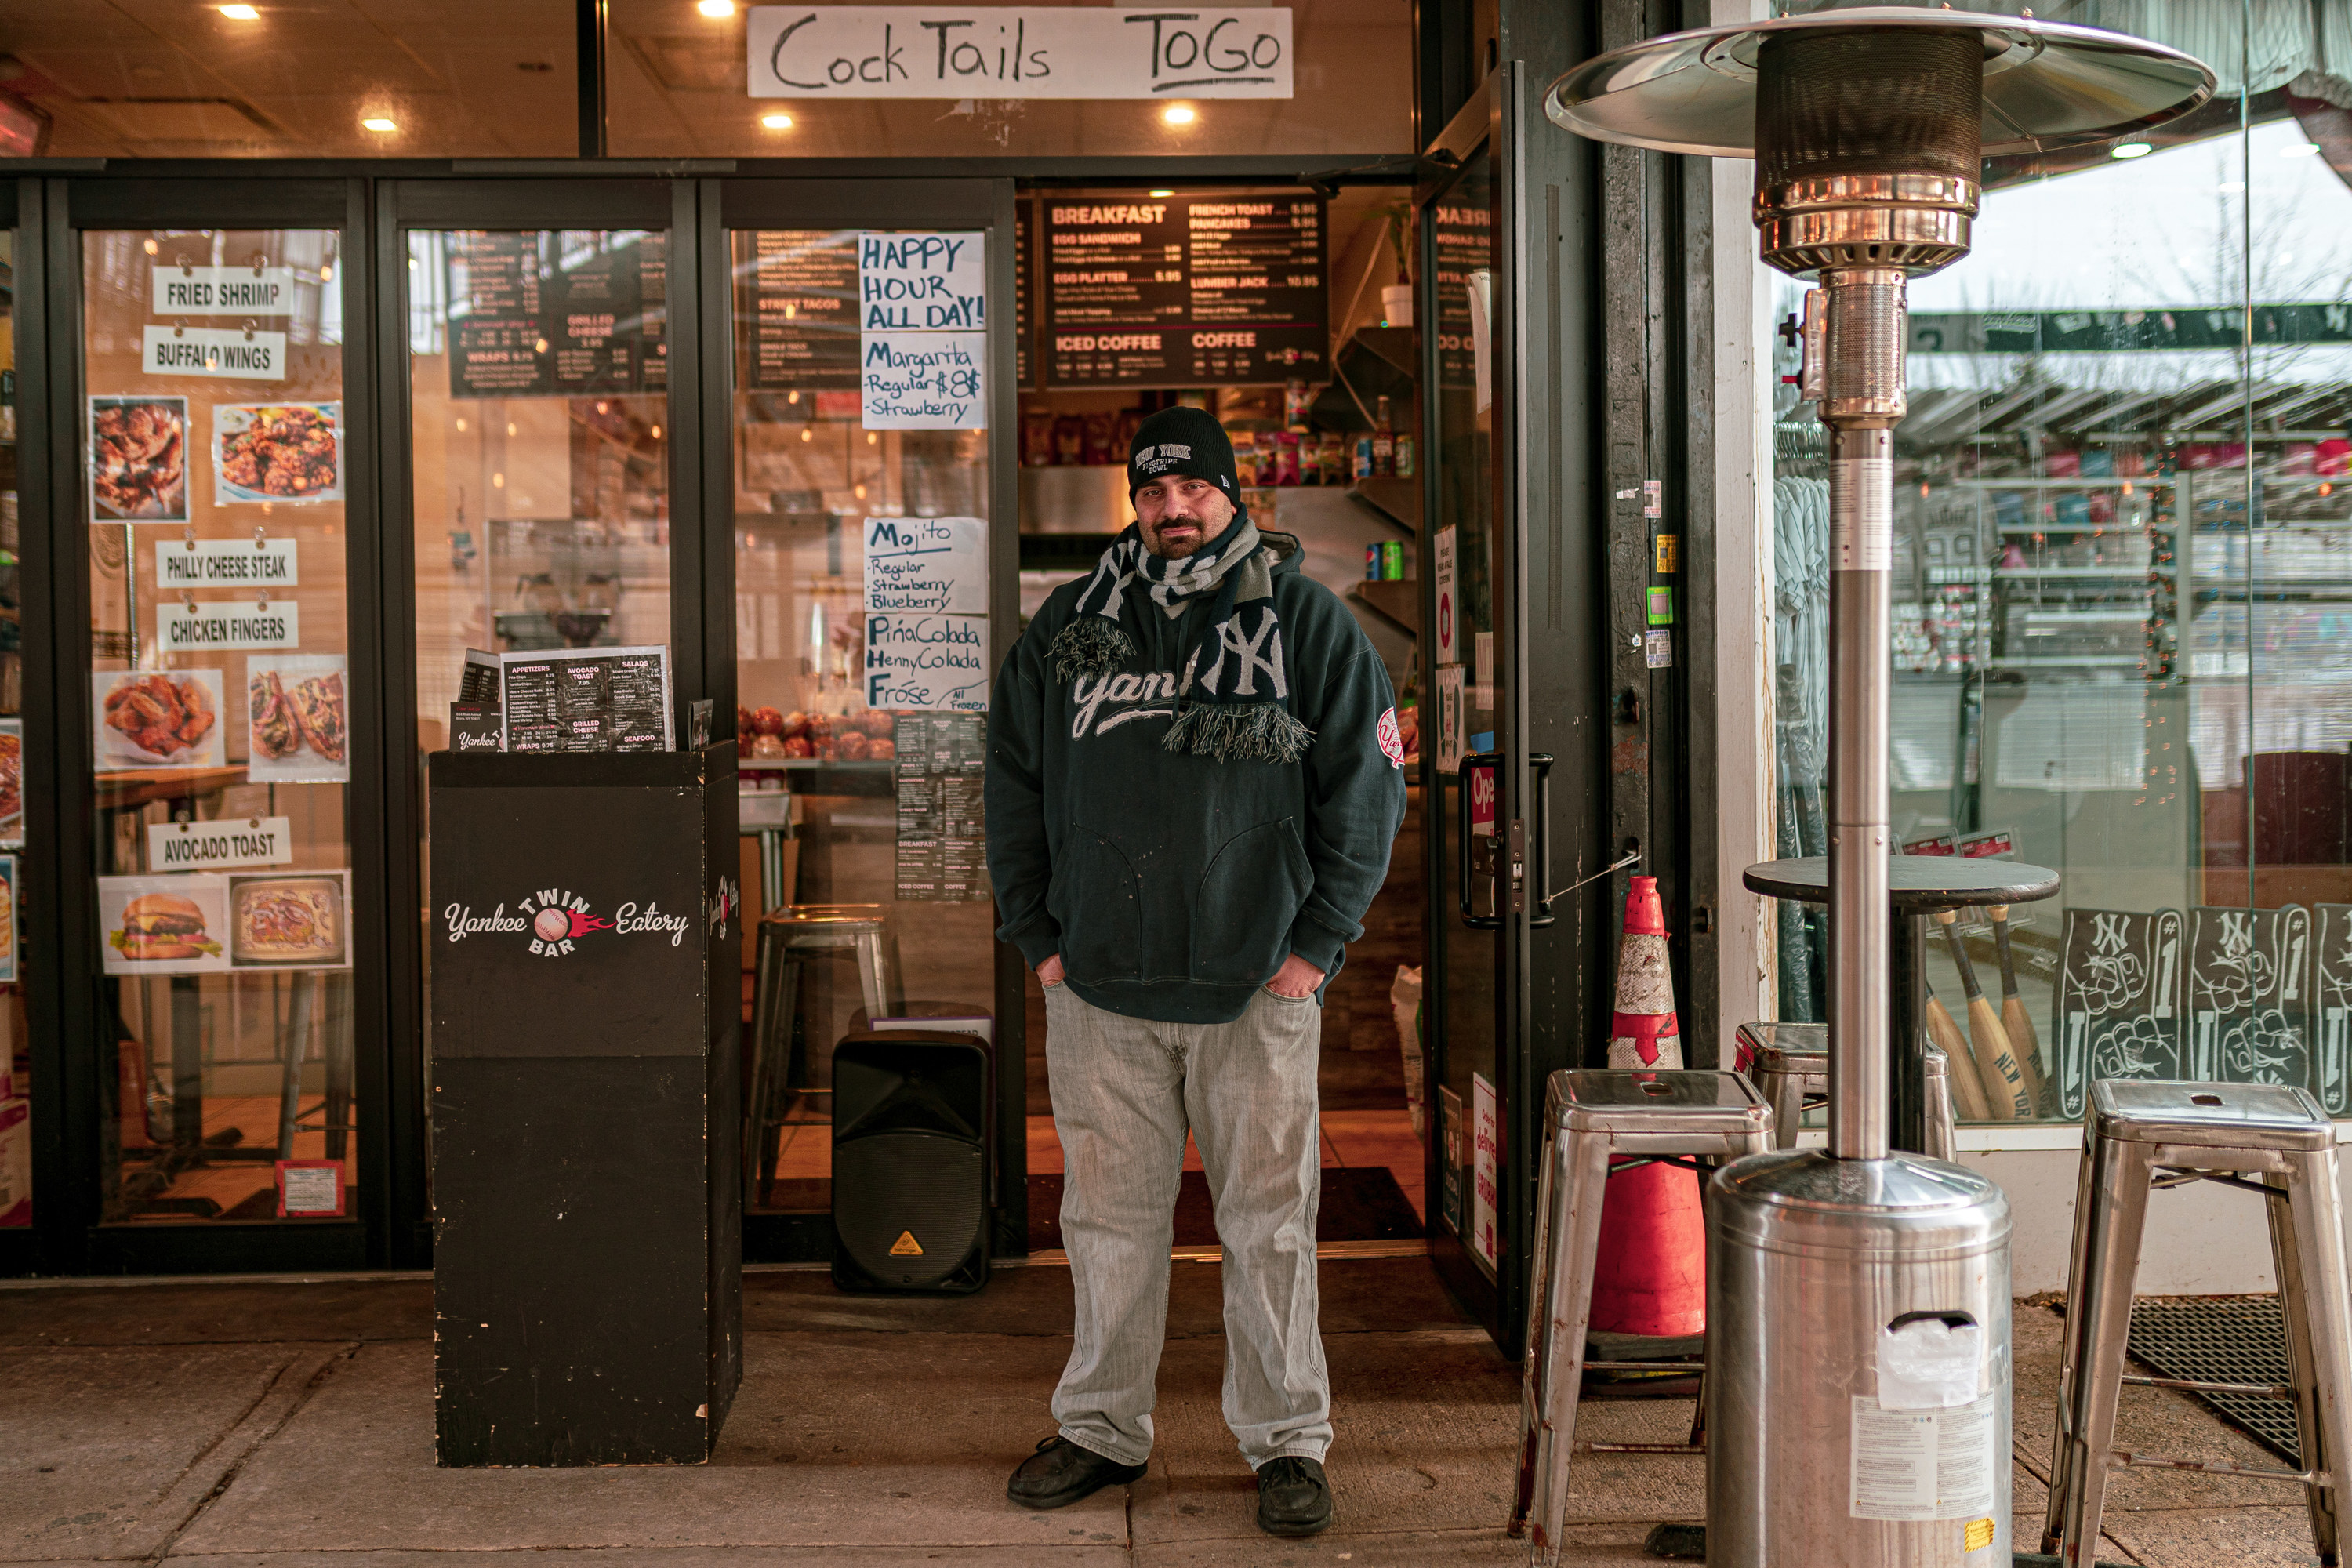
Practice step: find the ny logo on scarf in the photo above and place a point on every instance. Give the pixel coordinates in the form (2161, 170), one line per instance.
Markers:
(1220, 709)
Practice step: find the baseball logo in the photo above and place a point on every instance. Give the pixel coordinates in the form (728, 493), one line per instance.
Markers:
(1391, 738)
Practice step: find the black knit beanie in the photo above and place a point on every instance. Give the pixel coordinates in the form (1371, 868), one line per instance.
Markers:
(1187, 441)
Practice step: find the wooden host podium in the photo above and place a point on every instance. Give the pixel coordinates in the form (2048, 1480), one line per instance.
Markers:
(584, 948)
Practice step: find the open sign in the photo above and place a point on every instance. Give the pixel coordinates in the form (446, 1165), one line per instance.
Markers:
(1482, 798)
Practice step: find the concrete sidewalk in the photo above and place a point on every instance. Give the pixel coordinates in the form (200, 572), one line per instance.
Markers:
(282, 1426)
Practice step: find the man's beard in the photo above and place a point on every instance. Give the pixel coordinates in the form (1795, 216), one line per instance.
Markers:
(1156, 542)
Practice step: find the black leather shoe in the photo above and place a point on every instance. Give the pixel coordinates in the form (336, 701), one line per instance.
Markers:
(1293, 1496)
(1060, 1473)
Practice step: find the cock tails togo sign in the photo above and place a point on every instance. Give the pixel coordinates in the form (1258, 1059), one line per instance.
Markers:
(572, 921)
(997, 52)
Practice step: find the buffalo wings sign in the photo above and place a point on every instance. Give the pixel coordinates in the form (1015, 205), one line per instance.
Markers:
(997, 52)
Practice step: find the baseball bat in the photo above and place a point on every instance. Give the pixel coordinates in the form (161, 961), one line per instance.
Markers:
(1960, 1066)
(1997, 1068)
(2014, 1018)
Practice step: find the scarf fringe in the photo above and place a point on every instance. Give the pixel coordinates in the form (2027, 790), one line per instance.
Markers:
(1090, 645)
(1255, 731)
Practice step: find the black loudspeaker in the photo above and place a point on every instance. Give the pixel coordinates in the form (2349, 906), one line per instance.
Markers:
(914, 1152)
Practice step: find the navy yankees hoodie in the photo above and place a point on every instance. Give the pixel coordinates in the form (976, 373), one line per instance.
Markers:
(1173, 885)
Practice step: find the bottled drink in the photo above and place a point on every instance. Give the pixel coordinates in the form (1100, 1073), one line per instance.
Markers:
(1383, 442)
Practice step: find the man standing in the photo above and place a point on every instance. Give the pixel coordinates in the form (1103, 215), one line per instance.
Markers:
(1194, 777)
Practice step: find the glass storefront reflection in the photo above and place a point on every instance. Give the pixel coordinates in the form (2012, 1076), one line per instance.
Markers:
(2121, 600)
(866, 896)
(219, 693)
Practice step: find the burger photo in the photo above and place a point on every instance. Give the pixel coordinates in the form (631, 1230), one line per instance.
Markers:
(158, 926)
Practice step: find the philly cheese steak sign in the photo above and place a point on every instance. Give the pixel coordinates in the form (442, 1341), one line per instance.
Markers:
(1024, 51)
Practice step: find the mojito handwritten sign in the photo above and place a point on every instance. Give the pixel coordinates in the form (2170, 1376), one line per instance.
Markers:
(936, 563)
(923, 380)
(935, 663)
(1018, 51)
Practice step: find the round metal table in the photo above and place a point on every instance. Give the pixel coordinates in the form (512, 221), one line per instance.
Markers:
(1916, 885)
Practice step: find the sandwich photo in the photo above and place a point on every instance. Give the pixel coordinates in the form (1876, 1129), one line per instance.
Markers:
(286, 920)
(162, 926)
(297, 725)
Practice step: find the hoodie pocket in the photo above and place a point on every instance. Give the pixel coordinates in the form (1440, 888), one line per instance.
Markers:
(1248, 898)
(1097, 901)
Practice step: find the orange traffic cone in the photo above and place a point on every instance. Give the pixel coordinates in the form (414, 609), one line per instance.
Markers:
(1649, 1276)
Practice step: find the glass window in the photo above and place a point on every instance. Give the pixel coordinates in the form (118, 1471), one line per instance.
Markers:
(538, 376)
(426, 79)
(219, 688)
(678, 85)
(16, 1042)
(865, 885)
(1459, 251)
(2121, 593)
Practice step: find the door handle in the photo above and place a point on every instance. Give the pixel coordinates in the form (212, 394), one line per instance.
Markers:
(1542, 874)
(1464, 835)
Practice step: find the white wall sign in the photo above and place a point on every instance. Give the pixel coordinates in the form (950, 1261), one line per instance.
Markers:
(937, 563)
(214, 846)
(220, 352)
(933, 662)
(227, 563)
(923, 380)
(921, 282)
(1023, 51)
(224, 290)
(183, 628)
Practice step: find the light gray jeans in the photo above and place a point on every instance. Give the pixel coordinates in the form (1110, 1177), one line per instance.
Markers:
(1125, 1090)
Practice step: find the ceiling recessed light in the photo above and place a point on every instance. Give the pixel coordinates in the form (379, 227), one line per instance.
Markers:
(2130, 150)
(150, 247)
(1177, 114)
(379, 124)
(2298, 149)
(240, 13)
(1163, 192)
(777, 122)
(715, 7)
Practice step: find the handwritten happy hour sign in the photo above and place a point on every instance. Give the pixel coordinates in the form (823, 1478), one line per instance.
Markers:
(931, 662)
(1017, 51)
(937, 563)
(922, 345)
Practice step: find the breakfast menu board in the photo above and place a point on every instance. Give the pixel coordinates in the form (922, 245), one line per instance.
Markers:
(568, 313)
(586, 699)
(1185, 290)
(1463, 239)
(802, 310)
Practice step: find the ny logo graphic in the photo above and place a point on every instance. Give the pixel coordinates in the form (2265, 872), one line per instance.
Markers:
(1260, 650)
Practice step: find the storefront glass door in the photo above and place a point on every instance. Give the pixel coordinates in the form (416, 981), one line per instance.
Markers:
(221, 748)
(863, 568)
(1480, 893)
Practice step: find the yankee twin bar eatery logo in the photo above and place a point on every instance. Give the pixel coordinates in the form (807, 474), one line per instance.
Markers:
(556, 919)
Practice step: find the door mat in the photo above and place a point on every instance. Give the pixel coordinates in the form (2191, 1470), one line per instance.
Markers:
(2222, 1339)
(1359, 1204)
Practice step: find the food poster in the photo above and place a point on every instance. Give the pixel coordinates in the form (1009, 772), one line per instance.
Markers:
(276, 452)
(164, 925)
(12, 783)
(139, 458)
(157, 719)
(7, 920)
(298, 719)
(290, 920)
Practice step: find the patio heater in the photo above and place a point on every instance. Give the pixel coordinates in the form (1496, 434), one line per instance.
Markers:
(1858, 1400)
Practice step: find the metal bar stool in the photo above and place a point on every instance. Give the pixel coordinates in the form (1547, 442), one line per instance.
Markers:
(791, 939)
(2144, 1135)
(1790, 1064)
(1593, 1117)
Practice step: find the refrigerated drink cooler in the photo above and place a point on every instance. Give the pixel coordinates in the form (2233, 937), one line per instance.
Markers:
(1858, 1357)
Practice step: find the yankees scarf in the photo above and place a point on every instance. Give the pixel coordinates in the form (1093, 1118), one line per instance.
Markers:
(1232, 701)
